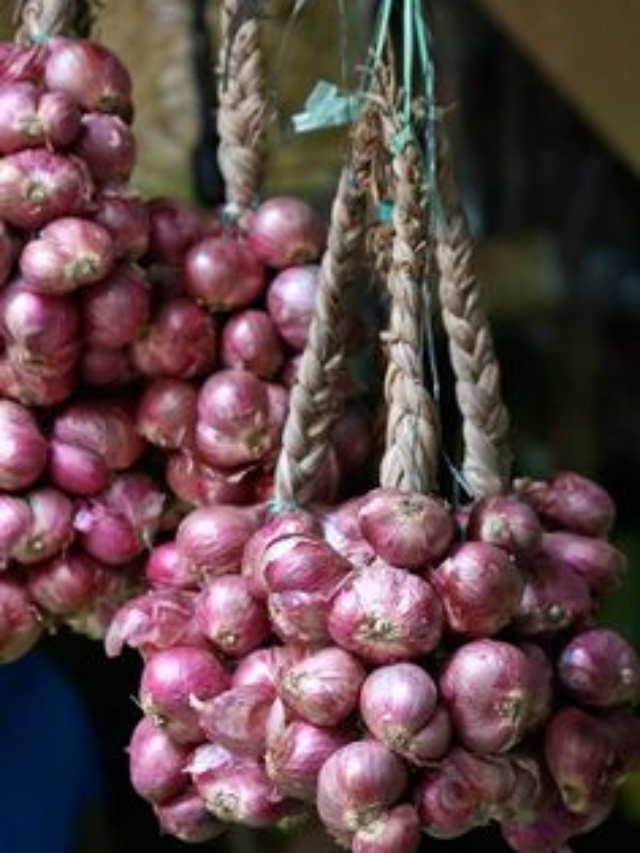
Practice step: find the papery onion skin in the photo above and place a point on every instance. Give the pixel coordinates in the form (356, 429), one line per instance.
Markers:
(116, 309)
(263, 668)
(156, 763)
(600, 668)
(291, 300)
(106, 367)
(237, 719)
(570, 501)
(186, 818)
(166, 569)
(284, 231)
(230, 617)
(212, 539)
(170, 681)
(174, 228)
(250, 341)
(126, 218)
(595, 561)
(507, 522)
(15, 522)
(51, 528)
(167, 412)
(23, 448)
(553, 599)
(408, 530)
(223, 274)
(20, 627)
(77, 470)
(63, 585)
(199, 484)
(395, 831)
(108, 147)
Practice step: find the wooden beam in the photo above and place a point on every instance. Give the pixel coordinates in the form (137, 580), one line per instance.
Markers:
(590, 50)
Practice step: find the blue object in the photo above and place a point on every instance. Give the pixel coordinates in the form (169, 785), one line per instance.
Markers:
(49, 768)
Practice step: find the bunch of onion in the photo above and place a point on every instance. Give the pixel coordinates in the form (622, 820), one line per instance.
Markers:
(394, 665)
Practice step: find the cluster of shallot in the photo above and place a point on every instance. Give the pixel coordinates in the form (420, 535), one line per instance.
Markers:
(396, 666)
(146, 349)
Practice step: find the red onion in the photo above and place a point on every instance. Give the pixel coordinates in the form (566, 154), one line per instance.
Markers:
(542, 684)
(108, 147)
(570, 501)
(234, 426)
(553, 599)
(581, 757)
(237, 719)
(180, 341)
(223, 273)
(480, 587)
(68, 253)
(250, 342)
(262, 668)
(156, 763)
(37, 186)
(229, 617)
(63, 585)
(623, 727)
(357, 783)
(323, 687)
(18, 63)
(302, 562)
(104, 427)
(487, 685)
(186, 818)
(121, 522)
(174, 229)
(284, 231)
(116, 309)
(171, 679)
(300, 618)
(196, 483)
(296, 752)
(126, 218)
(167, 413)
(595, 561)
(15, 523)
(352, 438)
(385, 614)
(256, 552)
(51, 527)
(396, 702)
(110, 591)
(395, 831)
(23, 449)
(156, 620)
(342, 531)
(101, 367)
(20, 126)
(211, 539)
(546, 833)
(35, 387)
(40, 328)
(60, 118)
(291, 301)
(449, 803)
(77, 470)
(20, 627)
(505, 521)
(600, 668)
(244, 794)
(407, 530)
(8, 247)
(529, 792)
(90, 74)
(166, 569)
(432, 741)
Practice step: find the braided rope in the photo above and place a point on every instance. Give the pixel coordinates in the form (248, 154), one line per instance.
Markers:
(487, 457)
(37, 20)
(314, 403)
(410, 461)
(242, 112)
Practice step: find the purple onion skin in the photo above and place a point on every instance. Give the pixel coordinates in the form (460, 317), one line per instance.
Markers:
(15, 521)
(541, 684)
(300, 618)
(245, 795)
(595, 561)
(384, 614)
(505, 521)
(237, 720)
(396, 831)
(231, 619)
(553, 599)
(624, 730)
(487, 686)
(156, 763)
(582, 758)
(20, 626)
(448, 804)
(186, 818)
(547, 833)
(480, 587)
(600, 668)
(570, 502)
(357, 784)
(23, 448)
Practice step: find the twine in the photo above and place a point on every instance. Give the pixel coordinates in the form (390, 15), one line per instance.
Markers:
(39, 20)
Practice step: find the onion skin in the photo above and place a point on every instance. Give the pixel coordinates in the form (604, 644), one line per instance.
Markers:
(244, 795)
(407, 530)
(263, 668)
(167, 413)
(171, 679)
(199, 484)
(115, 310)
(303, 563)
(507, 522)
(108, 147)
(600, 668)
(384, 614)
(15, 523)
(63, 585)
(546, 833)
(174, 228)
(487, 686)
(35, 387)
(323, 687)
(300, 618)
(553, 599)
(396, 831)
(212, 539)
(51, 528)
(594, 561)
(23, 449)
(229, 617)
(38, 186)
(571, 502)
(186, 818)
(76, 470)
(480, 587)
(291, 301)
(89, 74)
(166, 569)
(126, 218)
(106, 367)
(356, 785)
(223, 274)
(250, 342)
(285, 231)
(20, 627)
(156, 763)
(69, 253)
(237, 720)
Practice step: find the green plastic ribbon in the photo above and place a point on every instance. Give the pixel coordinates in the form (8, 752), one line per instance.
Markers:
(325, 107)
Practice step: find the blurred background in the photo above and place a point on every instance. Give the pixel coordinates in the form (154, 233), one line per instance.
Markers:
(544, 95)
